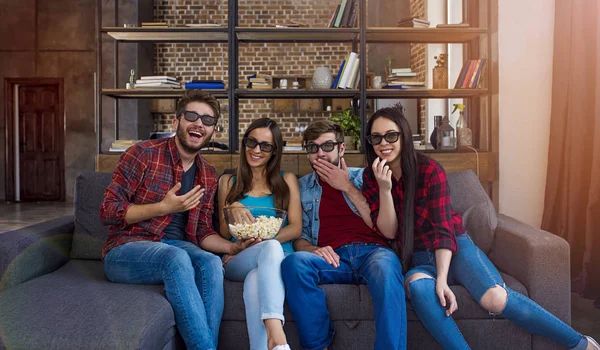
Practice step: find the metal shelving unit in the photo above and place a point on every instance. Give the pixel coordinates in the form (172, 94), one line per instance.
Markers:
(233, 35)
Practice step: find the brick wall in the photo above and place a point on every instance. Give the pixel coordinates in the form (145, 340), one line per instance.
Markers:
(418, 63)
(209, 61)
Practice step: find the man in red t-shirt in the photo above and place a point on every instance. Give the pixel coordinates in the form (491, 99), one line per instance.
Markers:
(339, 246)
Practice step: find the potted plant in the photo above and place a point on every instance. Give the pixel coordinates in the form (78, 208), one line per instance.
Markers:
(350, 124)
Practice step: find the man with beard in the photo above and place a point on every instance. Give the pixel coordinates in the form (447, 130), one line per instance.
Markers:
(159, 208)
(339, 246)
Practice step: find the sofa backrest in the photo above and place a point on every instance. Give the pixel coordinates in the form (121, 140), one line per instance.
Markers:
(89, 233)
(470, 200)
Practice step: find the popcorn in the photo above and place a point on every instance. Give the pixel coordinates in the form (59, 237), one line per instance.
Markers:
(265, 227)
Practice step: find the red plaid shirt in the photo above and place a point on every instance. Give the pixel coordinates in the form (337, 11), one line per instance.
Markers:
(436, 224)
(144, 175)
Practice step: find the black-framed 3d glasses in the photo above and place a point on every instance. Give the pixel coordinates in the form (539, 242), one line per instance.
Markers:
(207, 119)
(251, 142)
(327, 147)
(390, 137)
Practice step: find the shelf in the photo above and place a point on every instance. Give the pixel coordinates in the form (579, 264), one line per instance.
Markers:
(425, 93)
(296, 93)
(170, 34)
(163, 93)
(423, 35)
(260, 34)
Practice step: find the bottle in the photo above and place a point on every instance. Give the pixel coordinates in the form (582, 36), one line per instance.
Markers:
(463, 133)
(434, 134)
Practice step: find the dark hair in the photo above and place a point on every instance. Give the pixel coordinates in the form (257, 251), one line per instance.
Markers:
(318, 128)
(409, 160)
(198, 96)
(276, 183)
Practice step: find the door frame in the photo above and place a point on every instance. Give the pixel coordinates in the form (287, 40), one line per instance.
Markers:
(9, 84)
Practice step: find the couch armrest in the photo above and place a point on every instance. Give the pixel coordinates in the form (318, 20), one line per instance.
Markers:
(538, 259)
(34, 250)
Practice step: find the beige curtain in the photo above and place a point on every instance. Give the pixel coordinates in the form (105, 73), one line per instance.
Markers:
(572, 203)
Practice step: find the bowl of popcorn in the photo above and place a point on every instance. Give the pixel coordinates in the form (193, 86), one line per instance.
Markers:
(247, 222)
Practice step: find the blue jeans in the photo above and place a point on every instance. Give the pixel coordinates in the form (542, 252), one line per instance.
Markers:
(193, 280)
(259, 267)
(472, 269)
(373, 265)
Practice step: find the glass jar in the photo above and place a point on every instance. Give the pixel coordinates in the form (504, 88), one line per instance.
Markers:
(463, 133)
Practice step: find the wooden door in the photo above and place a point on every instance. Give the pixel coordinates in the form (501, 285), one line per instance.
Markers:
(40, 143)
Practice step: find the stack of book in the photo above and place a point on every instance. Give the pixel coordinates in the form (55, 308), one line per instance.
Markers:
(345, 15)
(122, 145)
(157, 82)
(403, 78)
(414, 22)
(259, 81)
(205, 84)
(470, 76)
(154, 25)
(348, 75)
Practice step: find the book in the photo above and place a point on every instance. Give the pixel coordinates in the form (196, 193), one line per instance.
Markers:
(401, 70)
(461, 76)
(338, 20)
(353, 60)
(346, 14)
(157, 86)
(339, 73)
(457, 25)
(158, 77)
(333, 17)
(155, 81)
(353, 75)
(203, 25)
(204, 85)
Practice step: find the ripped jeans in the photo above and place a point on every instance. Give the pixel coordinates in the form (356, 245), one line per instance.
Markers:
(472, 269)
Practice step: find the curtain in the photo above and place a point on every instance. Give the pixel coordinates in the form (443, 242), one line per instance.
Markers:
(572, 202)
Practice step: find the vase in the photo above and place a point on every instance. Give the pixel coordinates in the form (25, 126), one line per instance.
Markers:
(350, 143)
(433, 139)
(463, 133)
(322, 78)
(440, 78)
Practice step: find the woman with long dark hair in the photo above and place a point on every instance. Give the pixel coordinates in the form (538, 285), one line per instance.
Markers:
(410, 202)
(260, 182)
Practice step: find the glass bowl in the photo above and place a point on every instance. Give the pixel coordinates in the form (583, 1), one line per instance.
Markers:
(245, 222)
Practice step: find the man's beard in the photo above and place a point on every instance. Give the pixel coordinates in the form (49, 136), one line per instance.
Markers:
(336, 162)
(182, 137)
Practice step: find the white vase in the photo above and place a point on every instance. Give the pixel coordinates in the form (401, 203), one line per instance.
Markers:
(322, 78)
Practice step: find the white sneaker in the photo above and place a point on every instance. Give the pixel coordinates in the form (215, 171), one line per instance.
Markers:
(287, 347)
(593, 342)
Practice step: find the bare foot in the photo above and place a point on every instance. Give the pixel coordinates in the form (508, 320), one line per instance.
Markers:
(275, 333)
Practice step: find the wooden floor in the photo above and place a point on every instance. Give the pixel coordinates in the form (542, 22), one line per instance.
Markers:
(585, 317)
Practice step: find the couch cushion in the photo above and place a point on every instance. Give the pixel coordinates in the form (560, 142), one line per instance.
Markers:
(76, 307)
(351, 302)
(90, 234)
(472, 202)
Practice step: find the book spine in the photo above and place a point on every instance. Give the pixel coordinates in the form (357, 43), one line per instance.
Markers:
(346, 15)
(461, 76)
(475, 71)
(335, 13)
(204, 86)
(338, 20)
(465, 83)
(348, 71)
(339, 74)
(480, 73)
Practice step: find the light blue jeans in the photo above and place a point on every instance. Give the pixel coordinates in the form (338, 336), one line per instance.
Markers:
(472, 269)
(193, 280)
(259, 267)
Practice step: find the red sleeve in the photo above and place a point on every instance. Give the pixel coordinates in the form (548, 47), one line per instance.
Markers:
(370, 190)
(440, 211)
(205, 224)
(125, 180)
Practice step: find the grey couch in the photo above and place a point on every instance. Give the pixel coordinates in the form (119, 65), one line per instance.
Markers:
(54, 295)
